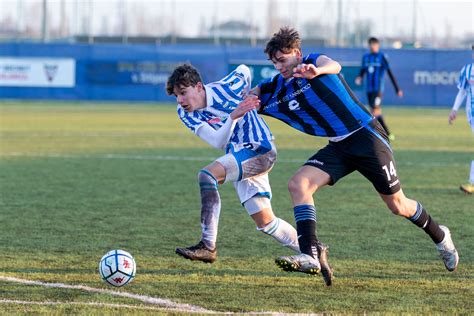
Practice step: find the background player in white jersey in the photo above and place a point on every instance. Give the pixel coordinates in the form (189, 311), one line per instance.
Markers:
(217, 113)
(466, 90)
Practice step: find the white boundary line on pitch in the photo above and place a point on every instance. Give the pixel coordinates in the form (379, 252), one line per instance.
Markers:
(95, 304)
(184, 158)
(144, 298)
(161, 304)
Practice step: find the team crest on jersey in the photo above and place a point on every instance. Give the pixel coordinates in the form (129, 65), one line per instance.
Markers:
(299, 82)
(214, 120)
(293, 105)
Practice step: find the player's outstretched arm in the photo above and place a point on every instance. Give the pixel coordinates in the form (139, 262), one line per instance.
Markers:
(328, 66)
(251, 102)
(220, 137)
(324, 65)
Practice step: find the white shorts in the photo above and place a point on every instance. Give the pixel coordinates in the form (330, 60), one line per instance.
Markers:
(248, 188)
(247, 166)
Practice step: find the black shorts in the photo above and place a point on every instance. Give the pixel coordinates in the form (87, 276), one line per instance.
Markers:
(367, 151)
(372, 99)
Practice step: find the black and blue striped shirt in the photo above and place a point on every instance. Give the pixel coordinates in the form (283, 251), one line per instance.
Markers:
(323, 106)
(374, 66)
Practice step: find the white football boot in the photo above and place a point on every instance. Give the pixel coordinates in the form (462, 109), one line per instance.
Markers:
(299, 263)
(447, 251)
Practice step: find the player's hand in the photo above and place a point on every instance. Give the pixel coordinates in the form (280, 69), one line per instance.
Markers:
(358, 80)
(251, 102)
(400, 93)
(452, 116)
(307, 71)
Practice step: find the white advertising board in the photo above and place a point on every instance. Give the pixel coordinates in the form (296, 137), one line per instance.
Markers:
(37, 72)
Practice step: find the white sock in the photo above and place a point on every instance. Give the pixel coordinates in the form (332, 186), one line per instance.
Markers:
(471, 177)
(283, 232)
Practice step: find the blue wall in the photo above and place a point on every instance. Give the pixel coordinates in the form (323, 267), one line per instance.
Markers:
(138, 72)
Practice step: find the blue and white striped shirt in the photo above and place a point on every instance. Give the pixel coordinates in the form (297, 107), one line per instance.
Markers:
(222, 98)
(466, 82)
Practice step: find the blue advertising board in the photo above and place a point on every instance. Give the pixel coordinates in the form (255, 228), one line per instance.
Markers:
(139, 72)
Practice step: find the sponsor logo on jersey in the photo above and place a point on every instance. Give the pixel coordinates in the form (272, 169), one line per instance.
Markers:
(289, 96)
(293, 105)
(214, 120)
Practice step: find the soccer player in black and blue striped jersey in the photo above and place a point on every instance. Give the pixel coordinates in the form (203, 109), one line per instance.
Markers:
(374, 65)
(310, 95)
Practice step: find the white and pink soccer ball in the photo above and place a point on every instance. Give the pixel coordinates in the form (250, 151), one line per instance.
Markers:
(117, 267)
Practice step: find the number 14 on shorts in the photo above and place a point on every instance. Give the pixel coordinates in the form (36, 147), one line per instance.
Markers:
(390, 170)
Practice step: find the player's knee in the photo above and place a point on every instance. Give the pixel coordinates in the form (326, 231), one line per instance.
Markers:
(397, 206)
(205, 176)
(300, 185)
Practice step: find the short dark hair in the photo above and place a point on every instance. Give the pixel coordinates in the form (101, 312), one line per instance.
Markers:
(373, 40)
(184, 75)
(285, 40)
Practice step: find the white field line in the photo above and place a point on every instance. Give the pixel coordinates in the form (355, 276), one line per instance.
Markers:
(77, 134)
(161, 304)
(197, 158)
(144, 298)
(96, 304)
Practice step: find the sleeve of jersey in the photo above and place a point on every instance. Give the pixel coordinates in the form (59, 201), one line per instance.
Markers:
(217, 138)
(385, 62)
(390, 73)
(189, 121)
(246, 76)
(459, 99)
(311, 58)
(363, 67)
(462, 82)
(265, 87)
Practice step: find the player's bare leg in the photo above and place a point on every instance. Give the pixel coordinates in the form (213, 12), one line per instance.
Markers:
(399, 204)
(313, 257)
(209, 178)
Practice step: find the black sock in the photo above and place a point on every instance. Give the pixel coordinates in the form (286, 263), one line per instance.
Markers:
(382, 122)
(305, 216)
(423, 220)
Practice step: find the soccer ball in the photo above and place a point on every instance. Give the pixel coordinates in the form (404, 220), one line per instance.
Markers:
(117, 267)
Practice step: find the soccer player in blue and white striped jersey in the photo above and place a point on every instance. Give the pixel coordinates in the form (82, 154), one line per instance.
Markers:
(217, 113)
(310, 95)
(466, 91)
(374, 65)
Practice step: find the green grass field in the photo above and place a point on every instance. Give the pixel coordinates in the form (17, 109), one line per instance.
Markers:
(78, 180)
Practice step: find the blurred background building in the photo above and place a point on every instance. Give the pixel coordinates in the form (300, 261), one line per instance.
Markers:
(342, 23)
(126, 49)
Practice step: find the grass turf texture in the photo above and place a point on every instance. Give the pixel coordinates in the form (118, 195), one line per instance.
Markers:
(78, 180)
